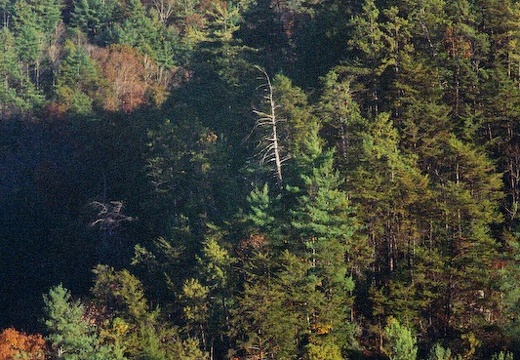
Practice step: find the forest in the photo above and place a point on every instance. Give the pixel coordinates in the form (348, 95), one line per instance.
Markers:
(259, 179)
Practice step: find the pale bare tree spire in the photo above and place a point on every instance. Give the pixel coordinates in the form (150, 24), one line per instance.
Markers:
(271, 152)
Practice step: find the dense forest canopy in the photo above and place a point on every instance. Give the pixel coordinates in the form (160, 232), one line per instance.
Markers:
(259, 179)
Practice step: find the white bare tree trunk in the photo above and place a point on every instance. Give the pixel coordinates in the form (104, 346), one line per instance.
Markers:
(272, 151)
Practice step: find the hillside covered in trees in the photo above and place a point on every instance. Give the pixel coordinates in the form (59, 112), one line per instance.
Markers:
(259, 179)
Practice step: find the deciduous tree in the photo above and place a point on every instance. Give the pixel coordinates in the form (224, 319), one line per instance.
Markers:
(18, 345)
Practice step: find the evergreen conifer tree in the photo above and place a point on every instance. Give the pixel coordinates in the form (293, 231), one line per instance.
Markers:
(401, 342)
(72, 337)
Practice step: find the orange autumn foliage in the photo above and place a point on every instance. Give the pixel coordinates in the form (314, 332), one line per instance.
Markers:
(457, 44)
(18, 345)
(126, 76)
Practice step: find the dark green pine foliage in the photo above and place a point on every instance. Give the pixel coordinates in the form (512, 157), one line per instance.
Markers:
(342, 120)
(166, 263)
(323, 226)
(35, 23)
(253, 325)
(388, 186)
(128, 320)
(41, 16)
(6, 12)
(322, 231)
(510, 285)
(138, 29)
(268, 29)
(428, 136)
(380, 38)
(323, 25)
(48, 15)
(271, 318)
(500, 126)
(17, 93)
(467, 194)
(318, 241)
(500, 20)
(467, 50)
(224, 79)
(208, 297)
(71, 335)
(97, 19)
(216, 101)
(182, 168)
(420, 113)
(262, 211)
(77, 81)
(228, 55)
(367, 43)
(142, 30)
(501, 133)
(401, 195)
(390, 193)
(427, 22)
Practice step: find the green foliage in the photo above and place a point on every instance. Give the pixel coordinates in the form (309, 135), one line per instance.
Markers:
(368, 35)
(401, 343)
(265, 31)
(78, 80)
(35, 24)
(68, 331)
(206, 299)
(503, 355)
(387, 188)
(216, 263)
(299, 125)
(260, 206)
(510, 285)
(341, 117)
(186, 170)
(322, 233)
(397, 130)
(285, 124)
(322, 218)
(224, 20)
(96, 18)
(141, 331)
(72, 336)
(437, 352)
(322, 352)
(195, 299)
(17, 93)
(123, 292)
(141, 30)
(271, 314)
(138, 29)
(39, 15)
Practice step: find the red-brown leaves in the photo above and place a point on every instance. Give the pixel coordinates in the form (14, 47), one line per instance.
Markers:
(126, 76)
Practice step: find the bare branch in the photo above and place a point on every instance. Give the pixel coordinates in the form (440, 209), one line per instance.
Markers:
(109, 215)
(271, 152)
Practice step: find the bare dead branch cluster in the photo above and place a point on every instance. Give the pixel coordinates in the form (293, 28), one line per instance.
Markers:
(109, 215)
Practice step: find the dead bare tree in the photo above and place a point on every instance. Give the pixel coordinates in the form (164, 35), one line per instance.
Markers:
(165, 9)
(271, 149)
(112, 248)
(109, 216)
